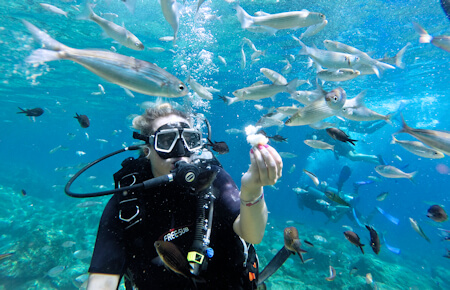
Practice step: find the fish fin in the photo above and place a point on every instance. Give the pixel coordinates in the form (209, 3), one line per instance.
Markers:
(304, 49)
(359, 99)
(361, 247)
(130, 4)
(292, 85)
(405, 128)
(424, 36)
(88, 13)
(46, 40)
(352, 141)
(244, 18)
(388, 118)
(413, 175)
(23, 111)
(43, 55)
(399, 56)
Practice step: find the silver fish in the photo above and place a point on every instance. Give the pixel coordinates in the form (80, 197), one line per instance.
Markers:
(439, 140)
(442, 41)
(284, 20)
(273, 76)
(201, 91)
(116, 32)
(336, 98)
(366, 64)
(261, 91)
(312, 113)
(170, 10)
(354, 109)
(53, 9)
(128, 72)
(243, 58)
(393, 172)
(317, 144)
(307, 97)
(418, 148)
(418, 229)
(338, 75)
(314, 29)
(329, 59)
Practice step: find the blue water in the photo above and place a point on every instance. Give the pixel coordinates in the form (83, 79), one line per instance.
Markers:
(36, 225)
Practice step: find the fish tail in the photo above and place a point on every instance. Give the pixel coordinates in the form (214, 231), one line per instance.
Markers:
(399, 56)
(292, 86)
(332, 148)
(352, 141)
(231, 100)
(304, 49)
(244, 18)
(412, 177)
(43, 55)
(23, 111)
(424, 36)
(388, 118)
(405, 127)
(361, 247)
(394, 140)
(88, 13)
(46, 40)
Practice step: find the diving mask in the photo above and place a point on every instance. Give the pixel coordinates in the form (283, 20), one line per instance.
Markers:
(176, 140)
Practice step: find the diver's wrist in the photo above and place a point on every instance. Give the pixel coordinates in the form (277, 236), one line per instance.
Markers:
(254, 201)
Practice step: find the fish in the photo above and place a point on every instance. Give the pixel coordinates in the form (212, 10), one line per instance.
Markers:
(374, 240)
(259, 91)
(220, 147)
(323, 202)
(437, 213)
(278, 21)
(171, 12)
(222, 59)
(310, 114)
(23, 192)
(353, 271)
(340, 135)
(116, 32)
(273, 76)
(382, 196)
(355, 110)
(439, 140)
(83, 120)
(397, 60)
(353, 238)
(343, 177)
(332, 274)
(68, 244)
(317, 144)
(199, 3)
(336, 198)
(389, 171)
(292, 242)
(287, 68)
(55, 271)
(277, 138)
(441, 41)
(366, 64)
(356, 218)
(243, 58)
(82, 254)
(338, 75)
(130, 4)
(201, 91)
(390, 248)
(80, 153)
(312, 176)
(36, 112)
(336, 98)
(128, 72)
(292, 169)
(172, 258)
(4, 256)
(308, 97)
(320, 239)
(328, 59)
(418, 148)
(418, 229)
(287, 155)
(53, 9)
(394, 220)
(314, 29)
(88, 203)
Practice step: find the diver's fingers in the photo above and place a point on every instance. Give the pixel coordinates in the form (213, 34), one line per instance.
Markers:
(278, 160)
(268, 168)
(260, 165)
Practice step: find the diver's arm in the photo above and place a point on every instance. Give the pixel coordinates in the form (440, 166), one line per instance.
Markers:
(103, 281)
(265, 169)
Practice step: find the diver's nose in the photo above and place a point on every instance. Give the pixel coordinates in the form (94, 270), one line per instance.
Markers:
(179, 148)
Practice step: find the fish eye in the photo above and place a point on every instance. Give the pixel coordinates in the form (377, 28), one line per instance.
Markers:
(335, 98)
(181, 88)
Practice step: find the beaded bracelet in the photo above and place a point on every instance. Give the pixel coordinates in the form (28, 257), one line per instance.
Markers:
(252, 202)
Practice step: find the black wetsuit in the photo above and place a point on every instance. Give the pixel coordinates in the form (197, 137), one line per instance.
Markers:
(169, 214)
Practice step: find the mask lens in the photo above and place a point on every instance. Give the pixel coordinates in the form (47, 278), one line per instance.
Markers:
(165, 140)
(193, 139)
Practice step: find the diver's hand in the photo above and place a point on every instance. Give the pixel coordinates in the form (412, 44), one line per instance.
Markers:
(265, 169)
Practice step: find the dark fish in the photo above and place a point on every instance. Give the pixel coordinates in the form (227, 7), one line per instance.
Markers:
(353, 271)
(308, 243)
(23, 192)
(220, 147)
(4, 256)
(277, 138)
(343, 177)
(437, 213)
(382, 196)
(353, 238)
(36, 112)
(445, 4)
(83, 120)
(374, 240)
(173, 258)
(340, 135)
(292, 241)
(336, 198)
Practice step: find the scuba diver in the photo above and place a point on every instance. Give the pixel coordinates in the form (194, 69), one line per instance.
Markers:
(143, 232)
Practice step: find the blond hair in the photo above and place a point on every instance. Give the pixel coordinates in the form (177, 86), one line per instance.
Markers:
(145, 121)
